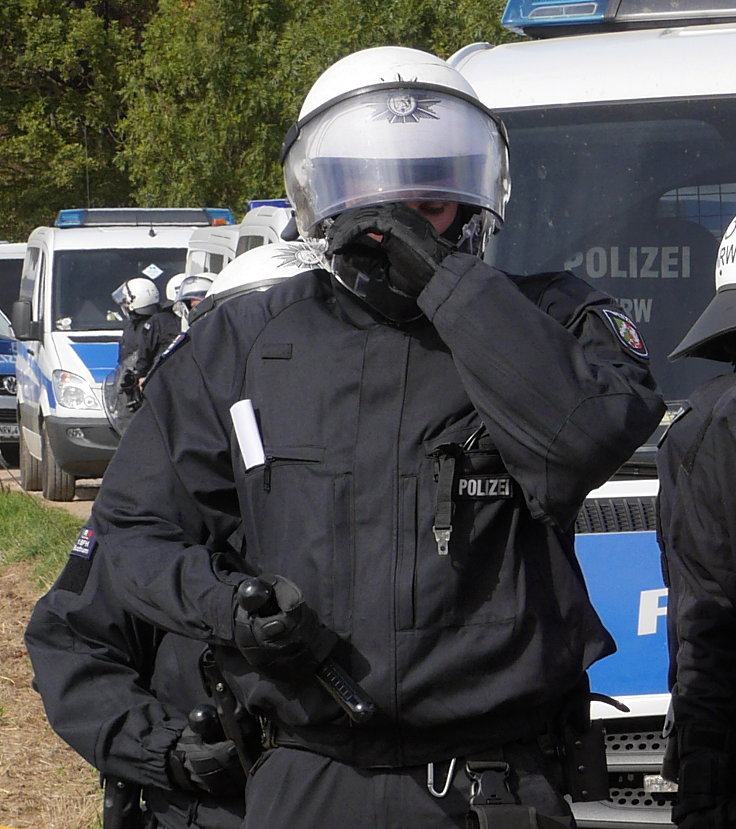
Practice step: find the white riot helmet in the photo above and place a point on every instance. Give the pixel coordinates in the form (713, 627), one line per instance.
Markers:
(194, 287)
(393, 124)
(139, 295)
(706, 336)
(173, 285)
(257, 270)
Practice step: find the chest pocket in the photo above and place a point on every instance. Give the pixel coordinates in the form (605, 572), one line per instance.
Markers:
(457, 561)
(297, 522)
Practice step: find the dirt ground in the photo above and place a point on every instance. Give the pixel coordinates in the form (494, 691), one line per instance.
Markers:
(43, 783)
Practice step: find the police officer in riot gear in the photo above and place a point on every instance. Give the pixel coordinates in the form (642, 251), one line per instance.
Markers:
(138, 299)
(122, 692)
(380, 383)
(697, 469)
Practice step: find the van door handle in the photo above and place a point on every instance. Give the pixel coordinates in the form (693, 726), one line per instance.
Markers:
(31, 351)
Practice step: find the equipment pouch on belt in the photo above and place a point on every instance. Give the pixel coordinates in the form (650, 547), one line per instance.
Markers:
(582, 748)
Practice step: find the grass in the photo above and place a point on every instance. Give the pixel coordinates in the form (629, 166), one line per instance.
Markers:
(35, 532)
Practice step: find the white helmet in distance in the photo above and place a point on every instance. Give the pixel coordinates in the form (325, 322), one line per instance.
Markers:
(257, 270)
(713, 334)
(194, 287)
(392, 124)
(138, 295)
(173, 285)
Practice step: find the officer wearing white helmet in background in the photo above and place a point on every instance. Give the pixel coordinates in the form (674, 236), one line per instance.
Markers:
(697, 535)
(192, 291)
(400, 441)
(138, 298)
(160, 329)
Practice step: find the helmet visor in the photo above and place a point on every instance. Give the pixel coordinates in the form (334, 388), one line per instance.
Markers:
(393, 144)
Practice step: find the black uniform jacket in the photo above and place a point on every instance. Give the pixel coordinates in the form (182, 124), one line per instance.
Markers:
(156, 333)
(357, 420)
(697, 535)
(118, 691)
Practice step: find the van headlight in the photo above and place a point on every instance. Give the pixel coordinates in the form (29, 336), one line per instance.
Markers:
(73, 391)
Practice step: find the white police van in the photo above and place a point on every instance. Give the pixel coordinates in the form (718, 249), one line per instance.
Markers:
(622, 126)
(68, 327)
(210, 249)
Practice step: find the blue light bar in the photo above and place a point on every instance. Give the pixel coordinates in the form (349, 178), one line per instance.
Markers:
(143, 216)
(522, 15)
(70, 218)
(532, 17)
(268, 203)
(220, 215)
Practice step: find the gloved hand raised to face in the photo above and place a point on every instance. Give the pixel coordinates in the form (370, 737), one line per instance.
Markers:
(411, 245)
(276, 631)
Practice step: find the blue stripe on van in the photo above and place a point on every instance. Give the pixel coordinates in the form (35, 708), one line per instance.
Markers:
(100, 358)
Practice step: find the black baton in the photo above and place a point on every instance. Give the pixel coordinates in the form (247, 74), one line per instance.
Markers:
(256, 595)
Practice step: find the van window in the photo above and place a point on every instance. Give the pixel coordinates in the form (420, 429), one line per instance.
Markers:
(248, 243)
(10, 270)
(85, 279)
(633, 198)
(216, 263)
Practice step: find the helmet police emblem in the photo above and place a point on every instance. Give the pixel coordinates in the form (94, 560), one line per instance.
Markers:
(402, 107)
(298, 255)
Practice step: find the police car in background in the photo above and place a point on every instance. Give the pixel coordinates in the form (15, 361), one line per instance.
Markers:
(621, 117)
(68, 327)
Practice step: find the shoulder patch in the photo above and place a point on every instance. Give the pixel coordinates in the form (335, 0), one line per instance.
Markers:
(626, 332)
(86, 543)
(76, 571)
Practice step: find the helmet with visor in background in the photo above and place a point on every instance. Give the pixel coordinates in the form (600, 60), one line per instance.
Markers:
(138, 296)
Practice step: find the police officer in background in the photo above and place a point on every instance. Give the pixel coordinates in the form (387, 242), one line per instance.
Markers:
(138, 299)
(120, 691)
(697, 536)
(426, 429)
(159, 330)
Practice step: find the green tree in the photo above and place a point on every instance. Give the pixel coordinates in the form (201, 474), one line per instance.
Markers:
(220, 81)
(60, 68)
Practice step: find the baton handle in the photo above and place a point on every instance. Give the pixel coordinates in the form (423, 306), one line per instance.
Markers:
(256, 597)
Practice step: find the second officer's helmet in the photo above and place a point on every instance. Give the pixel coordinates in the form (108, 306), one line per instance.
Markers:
(173, 285)
(713, 334)
(392, 124)
(257, 270)
(194, 287)
(138, 295)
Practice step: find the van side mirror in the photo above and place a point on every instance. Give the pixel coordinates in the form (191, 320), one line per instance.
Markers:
(23, 327)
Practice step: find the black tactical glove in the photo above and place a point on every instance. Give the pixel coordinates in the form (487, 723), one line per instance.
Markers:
(213, 767)
(721, 816)
(281, 637)
(411, 245)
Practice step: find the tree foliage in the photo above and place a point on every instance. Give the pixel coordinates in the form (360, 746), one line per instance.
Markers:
(179, 102)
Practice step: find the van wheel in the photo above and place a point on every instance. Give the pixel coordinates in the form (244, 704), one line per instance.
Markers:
(30, 468)
(58, 485)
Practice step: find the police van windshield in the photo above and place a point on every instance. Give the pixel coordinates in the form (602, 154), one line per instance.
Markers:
(633, 198)
(85, 279)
